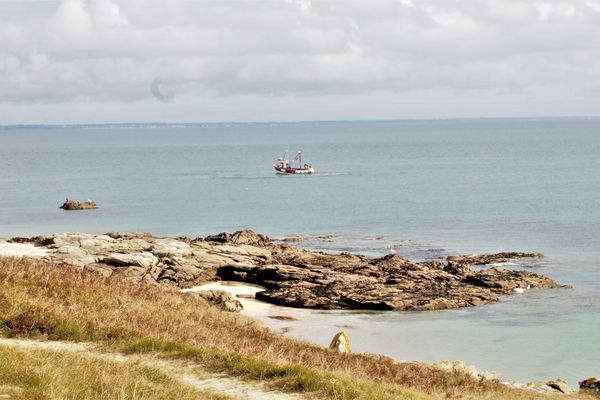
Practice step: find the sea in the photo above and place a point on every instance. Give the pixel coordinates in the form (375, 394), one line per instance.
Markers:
(424, 188)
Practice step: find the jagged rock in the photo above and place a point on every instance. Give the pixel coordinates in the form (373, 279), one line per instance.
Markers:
(240, 237)
(590, 384)
(388, 283)
(458, 268)
(340, 343)
(76, 205)
(184, 272)
(222, 299)
(504, 281)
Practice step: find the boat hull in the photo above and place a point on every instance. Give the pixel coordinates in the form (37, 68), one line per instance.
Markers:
(294, 171)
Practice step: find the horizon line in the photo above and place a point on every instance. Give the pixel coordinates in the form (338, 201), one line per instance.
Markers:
(288, 122)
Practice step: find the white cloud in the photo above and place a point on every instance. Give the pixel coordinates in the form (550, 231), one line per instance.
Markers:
(131, 51)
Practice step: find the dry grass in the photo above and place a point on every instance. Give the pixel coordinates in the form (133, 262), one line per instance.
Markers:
(54, 374)
(60, 302)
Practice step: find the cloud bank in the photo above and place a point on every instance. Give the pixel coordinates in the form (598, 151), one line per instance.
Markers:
(134, 52)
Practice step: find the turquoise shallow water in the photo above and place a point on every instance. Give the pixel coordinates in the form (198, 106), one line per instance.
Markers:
(425, 188)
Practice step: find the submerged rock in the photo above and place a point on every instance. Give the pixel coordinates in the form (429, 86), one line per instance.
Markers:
(76, 205)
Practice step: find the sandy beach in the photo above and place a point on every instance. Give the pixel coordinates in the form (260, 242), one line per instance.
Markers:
(21, 250)
(242, 292)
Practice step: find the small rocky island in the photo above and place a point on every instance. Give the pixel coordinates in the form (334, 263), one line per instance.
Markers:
(72, 205)
(292, 276)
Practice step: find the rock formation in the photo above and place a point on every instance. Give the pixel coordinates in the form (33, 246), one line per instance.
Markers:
(340, 343)
(220, 298)
(292, 276)
(555, 386)
(590, 384)
(71, 205)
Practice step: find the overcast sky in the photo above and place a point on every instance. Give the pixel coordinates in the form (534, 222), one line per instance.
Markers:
(192, 61)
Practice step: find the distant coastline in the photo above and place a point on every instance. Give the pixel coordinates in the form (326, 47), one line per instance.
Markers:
(150, 125)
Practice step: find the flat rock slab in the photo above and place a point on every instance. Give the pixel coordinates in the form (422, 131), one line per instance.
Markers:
(294, 277)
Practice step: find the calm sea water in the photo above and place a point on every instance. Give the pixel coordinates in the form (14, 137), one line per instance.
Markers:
(424, 188)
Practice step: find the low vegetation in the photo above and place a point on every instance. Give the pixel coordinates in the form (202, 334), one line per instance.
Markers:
(64, 303)
(56, 374)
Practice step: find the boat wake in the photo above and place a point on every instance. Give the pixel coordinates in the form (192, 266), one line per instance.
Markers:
(276, 176)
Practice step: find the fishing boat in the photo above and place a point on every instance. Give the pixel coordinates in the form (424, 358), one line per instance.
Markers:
(285, 167)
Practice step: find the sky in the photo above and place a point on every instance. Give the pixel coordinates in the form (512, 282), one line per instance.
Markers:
(105, 61)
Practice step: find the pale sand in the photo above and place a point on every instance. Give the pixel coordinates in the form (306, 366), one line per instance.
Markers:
(21, 249)
(252, 307)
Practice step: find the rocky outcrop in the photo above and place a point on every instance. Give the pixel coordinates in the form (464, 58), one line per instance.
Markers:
(299, 278)
(340, 343)
(220, 298)
(294, 277)
(555, 386)
(590, 384)
(76, 205)
(485, 259)
(240, 237)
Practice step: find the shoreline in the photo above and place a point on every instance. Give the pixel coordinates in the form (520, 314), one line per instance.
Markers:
(328, 281)
(275, 317)
(215, 248)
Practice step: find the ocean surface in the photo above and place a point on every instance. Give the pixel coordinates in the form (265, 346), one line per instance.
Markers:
(423, 188)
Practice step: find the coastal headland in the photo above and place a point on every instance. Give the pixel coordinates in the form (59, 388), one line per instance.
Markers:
(117, 292)
(292, 276)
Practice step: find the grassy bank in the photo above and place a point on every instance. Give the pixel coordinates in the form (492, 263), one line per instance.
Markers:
(57, 374)
(63, 303)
